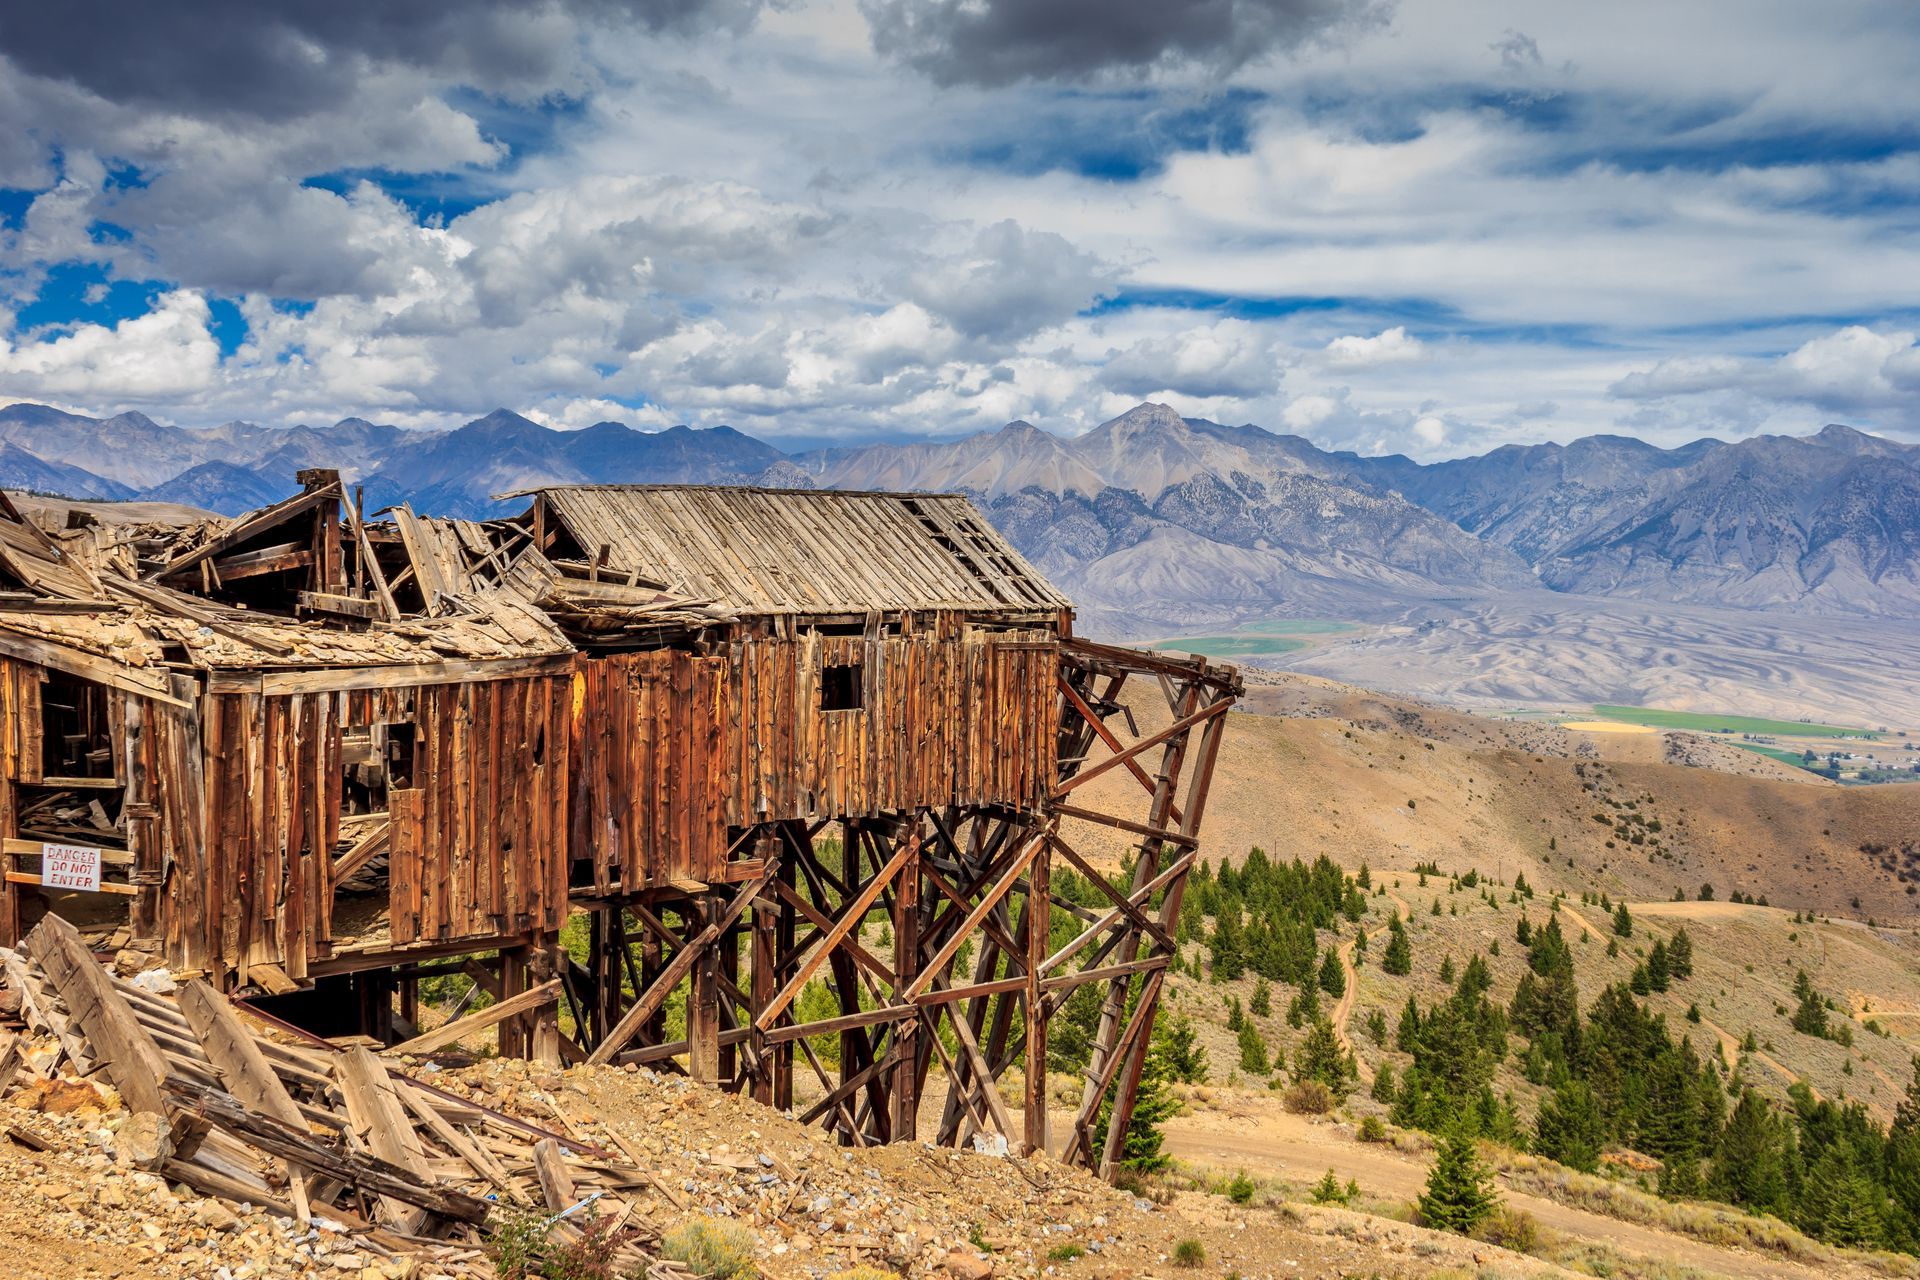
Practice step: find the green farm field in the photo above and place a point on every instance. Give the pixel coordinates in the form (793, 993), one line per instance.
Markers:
(1260, 639)
(1729, 724)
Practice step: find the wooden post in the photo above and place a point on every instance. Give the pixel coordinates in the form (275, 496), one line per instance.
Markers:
(543, 964)
(703, 1001)
(1038, 914)
(906, 958)
(788, 932)
(515, 1040)
(763, 979)
(726, 965)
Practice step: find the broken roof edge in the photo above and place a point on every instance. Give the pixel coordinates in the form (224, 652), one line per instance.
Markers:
(783, 491)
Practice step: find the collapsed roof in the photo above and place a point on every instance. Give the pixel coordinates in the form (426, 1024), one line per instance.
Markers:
(311, 582)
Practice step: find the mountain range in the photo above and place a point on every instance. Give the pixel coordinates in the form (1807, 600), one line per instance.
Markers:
(1153, 520)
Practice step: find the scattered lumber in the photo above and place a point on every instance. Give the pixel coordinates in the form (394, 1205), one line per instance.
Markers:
(314, 1131)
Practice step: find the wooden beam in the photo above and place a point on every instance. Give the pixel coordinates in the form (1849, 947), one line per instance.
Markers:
(933, 968)
(656, 994)
(102, 1015)
(850, 919)
(380, 1121)
(461, 1028)
(1179, 726)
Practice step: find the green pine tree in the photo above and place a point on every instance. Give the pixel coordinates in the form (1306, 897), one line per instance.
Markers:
(1459, 1193)
(1253, 1050)
(1570, 1127)
(1623, 921)
(1398, 959)
(1750, 1163)
(1322, 1057)
(1333, 976)
(1680, 955)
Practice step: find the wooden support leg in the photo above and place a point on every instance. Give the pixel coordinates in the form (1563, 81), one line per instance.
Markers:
(543, 964)
(1039, 879)
(761, 985)
(788, 933)
(727, 966)
(703, 1003)
(906, 956)
(515, 1038)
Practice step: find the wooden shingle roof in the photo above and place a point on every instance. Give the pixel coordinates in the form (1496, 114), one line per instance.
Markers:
(803, 551)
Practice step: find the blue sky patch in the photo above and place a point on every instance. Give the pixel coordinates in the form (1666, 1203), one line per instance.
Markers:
(226, 324)
(1119, 137)
(432, 198)
(76, 293)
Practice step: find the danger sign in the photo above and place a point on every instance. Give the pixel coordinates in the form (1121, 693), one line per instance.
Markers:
(70, 866)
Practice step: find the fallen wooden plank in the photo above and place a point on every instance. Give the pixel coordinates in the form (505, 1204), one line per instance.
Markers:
(512, 1006)
(236, 1055)
(371, 1174)
(381, 1121)
(101, 1015)
(556, 1181)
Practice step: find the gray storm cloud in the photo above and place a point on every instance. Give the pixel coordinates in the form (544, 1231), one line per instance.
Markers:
(278, 61)
(1002, 42)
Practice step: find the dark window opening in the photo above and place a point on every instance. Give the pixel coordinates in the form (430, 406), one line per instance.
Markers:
(375, 761)
(403, 756)
(840, 688)
(76, 734)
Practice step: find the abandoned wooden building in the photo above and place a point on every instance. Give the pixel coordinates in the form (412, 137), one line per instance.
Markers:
(678, 775)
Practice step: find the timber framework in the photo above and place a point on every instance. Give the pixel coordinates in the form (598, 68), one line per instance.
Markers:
(771, 787)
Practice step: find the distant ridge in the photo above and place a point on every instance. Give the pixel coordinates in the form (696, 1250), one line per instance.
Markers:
(1154, 520)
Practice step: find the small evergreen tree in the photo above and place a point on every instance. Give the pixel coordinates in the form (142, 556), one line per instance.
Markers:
(1398, 959)
(1680, 955)
(1659, 972)
(1622, 921)
(1459, 1193)
(1810, 1017)
(1180, 1048)
(1322, 1057)
(1261, 1005)
(1749, 1164)
(1333, 976)
(1570, 1128)
(1253, 1050)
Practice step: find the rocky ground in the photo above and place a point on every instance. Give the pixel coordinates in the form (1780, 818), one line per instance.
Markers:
(75, 1210)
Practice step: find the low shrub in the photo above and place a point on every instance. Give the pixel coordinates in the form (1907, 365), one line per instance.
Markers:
(1189, 1253)
(1240, 1190)
(713, 1247)
(1514, 1229)
(1308, 1098)
(1372, 1129)
(1065, 1252)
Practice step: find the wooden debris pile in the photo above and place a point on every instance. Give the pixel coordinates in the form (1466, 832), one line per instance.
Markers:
(314, 1133)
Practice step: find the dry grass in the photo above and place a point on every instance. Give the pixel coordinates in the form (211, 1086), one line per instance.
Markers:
(1718, 1225)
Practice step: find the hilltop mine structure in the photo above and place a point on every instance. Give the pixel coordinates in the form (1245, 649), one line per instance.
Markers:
(686, 776)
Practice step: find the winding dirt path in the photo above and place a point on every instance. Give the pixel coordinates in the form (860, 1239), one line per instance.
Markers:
(1343, 1010)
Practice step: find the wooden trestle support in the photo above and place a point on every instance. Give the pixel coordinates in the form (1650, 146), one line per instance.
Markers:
(969, 978)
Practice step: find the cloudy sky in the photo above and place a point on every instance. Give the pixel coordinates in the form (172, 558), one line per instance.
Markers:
(1426, 228)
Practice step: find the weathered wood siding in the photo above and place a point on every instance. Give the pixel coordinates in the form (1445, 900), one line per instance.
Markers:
(670, 750)
(478, 841)
(648, 786)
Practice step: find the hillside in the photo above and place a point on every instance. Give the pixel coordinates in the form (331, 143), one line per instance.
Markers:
(1503, 817)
